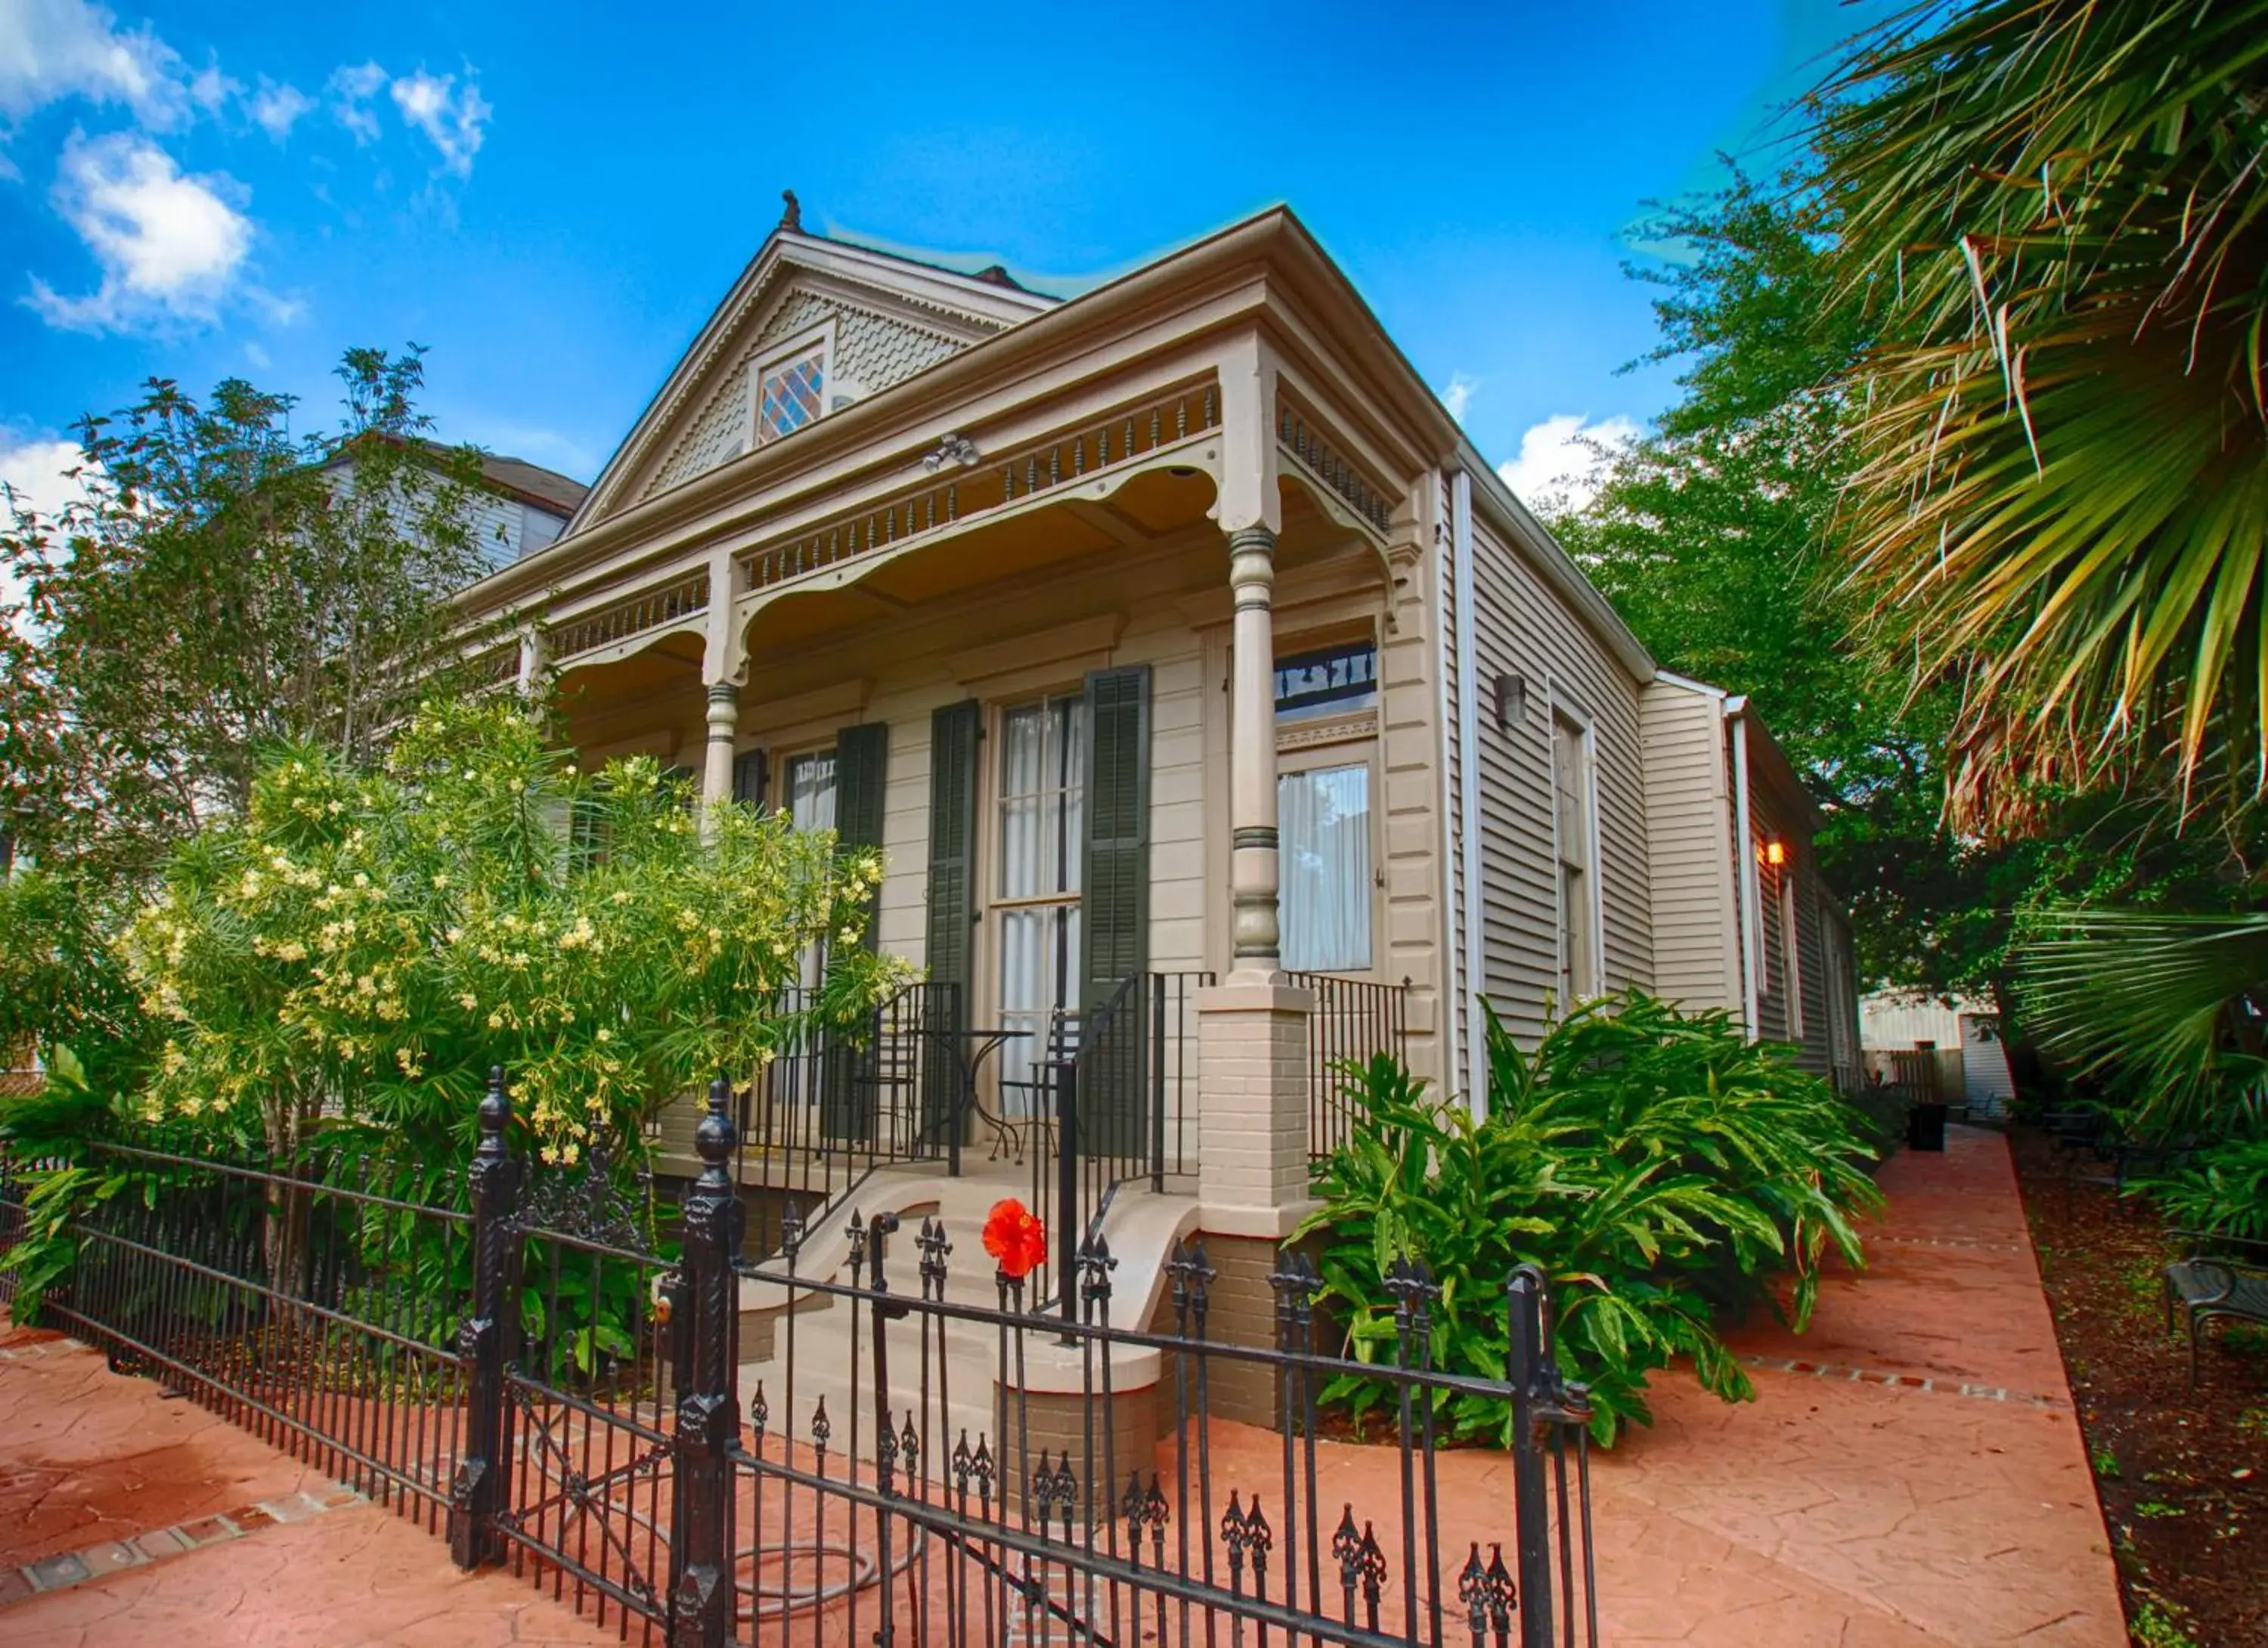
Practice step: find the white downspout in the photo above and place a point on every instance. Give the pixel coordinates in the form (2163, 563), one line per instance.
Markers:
(1468, 792)
(1745, 858)
(1452, 1015)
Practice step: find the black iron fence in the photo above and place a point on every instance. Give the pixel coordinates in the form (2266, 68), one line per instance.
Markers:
(903, 1448)
(1124, 1091)
(1354, 1021)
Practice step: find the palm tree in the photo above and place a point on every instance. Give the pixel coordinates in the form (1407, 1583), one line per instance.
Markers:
(2054, 210)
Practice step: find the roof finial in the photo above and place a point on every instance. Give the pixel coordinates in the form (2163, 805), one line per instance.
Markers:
(791, 220)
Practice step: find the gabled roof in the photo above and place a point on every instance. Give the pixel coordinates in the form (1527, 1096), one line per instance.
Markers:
(962, 308)
(530, 482)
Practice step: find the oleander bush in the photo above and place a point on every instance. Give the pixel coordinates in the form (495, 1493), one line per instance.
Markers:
(1639, 1155)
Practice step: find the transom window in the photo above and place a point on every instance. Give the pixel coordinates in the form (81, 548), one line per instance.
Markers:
(1329, 680)
(1043, 823)
(790, 393)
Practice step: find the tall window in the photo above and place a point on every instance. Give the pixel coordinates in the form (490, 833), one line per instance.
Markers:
(1790, 946)
(1042, 824)
(1574, 790)
(789, 394)
(1324, 868)
(809, 796)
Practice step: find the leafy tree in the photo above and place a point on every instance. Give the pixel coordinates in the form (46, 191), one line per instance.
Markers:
(363, 944)
(1716, 539)
(2054, 216)
(224, 584)
(62, 984)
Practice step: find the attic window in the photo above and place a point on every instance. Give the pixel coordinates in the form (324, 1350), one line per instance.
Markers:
(789, 393)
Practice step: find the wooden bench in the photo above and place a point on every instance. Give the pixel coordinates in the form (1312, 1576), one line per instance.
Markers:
(2222, 1275)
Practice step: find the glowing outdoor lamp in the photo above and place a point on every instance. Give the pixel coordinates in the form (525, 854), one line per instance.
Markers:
(1775, 852)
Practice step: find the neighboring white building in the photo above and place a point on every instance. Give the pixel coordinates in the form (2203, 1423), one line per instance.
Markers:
(525, 510)
(1967, 1028)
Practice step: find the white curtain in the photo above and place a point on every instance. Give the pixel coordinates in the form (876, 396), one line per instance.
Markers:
(1324, 868)
(1042, 820)
(811, 806)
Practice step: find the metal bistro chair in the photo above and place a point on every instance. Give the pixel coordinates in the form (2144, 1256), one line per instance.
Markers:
(2221, 1276)
(1039, 1117)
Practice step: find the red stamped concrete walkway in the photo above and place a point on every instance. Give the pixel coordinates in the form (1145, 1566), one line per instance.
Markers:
(1928, 1485)
(105, 1467)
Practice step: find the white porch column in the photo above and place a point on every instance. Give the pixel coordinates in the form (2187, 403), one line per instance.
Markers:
(535, 658)
(1252, 756)
(717, 756)
(1252, 1028)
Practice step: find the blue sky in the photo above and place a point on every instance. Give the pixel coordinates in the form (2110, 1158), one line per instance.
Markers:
(552, 200)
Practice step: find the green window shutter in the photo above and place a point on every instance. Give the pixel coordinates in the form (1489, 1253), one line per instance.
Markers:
(954, 733)
(1115, 925)
(749, 777)
(1115, 914)
(849, 1103)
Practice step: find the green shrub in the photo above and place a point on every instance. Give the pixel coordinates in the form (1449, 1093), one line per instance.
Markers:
(1638, 1154)
(2223, 1190)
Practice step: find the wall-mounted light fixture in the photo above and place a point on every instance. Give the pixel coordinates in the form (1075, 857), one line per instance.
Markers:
(1511, 699)
(1775, 852)
(952, 449)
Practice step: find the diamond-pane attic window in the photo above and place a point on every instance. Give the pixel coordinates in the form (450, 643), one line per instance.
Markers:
(789, 394)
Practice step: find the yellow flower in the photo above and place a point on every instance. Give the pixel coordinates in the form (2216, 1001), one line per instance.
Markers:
(468, 1001)
(605, 1035)
(496, 1021)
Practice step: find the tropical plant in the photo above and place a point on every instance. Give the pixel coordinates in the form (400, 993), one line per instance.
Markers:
(2170, 1007)
(1644, 1158)
(2052, 210)
(2222, 1188)
(62, 983)
(364, 945)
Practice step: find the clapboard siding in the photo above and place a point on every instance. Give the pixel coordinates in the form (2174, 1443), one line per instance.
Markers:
(1694, 903)
(1521, 626)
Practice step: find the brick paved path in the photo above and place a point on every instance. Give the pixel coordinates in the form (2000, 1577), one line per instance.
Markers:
(153, 1521)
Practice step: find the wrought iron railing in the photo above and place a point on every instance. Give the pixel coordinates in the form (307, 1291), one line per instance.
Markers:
(836, 1102)
(1353, 1022)
(563, 1383)
(1118, 1098)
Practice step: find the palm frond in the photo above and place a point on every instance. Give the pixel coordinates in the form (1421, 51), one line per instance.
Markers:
(2167, 998)
(2059, 210)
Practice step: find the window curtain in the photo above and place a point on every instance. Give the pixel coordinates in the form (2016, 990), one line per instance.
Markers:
(1324, 869)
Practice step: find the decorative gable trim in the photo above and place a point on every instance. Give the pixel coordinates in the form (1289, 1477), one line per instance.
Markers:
(954, 310)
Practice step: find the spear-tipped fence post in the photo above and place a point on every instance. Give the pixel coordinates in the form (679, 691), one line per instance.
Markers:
(488, 1339)
(708, 1408)
(1526, 1375)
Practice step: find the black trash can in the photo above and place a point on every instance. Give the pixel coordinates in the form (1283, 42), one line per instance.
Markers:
(1926, 1127)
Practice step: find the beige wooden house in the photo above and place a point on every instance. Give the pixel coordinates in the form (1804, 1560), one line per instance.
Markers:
(1172, 632)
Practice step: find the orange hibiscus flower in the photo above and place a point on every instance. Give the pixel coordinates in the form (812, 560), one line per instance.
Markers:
(1014, 1238)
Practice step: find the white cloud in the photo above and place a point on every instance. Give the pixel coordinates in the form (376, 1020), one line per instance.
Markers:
(170, 246)
(1459, 395)
(33, 468)
(277, 108)
(35, 475)
(451, 120)
(352, 86)
(1563, 458)
(54, 49)
(210, 90)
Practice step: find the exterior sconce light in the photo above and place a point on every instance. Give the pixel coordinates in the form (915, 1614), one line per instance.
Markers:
(1775, 852)
(952, 449)
(1511, 699)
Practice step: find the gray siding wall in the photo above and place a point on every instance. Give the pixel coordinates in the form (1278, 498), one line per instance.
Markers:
(1521, 626)
(1696, 899)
